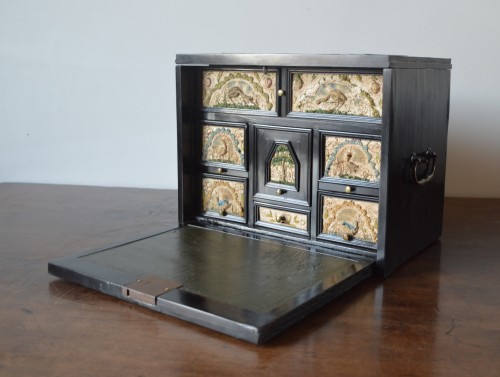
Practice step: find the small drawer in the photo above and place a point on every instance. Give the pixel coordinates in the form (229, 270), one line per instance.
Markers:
(283, 218)
(224, 144)
(351, 188)
(239, 90)
(337, 93)
(224, 198)
(351, 158)
(349, 219)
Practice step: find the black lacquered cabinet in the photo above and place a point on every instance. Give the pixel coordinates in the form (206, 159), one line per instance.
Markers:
(299, 177)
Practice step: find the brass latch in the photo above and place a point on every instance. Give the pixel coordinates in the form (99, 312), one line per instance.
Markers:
(148, 288)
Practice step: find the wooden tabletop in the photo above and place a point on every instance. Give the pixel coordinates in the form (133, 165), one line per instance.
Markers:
(438, 315)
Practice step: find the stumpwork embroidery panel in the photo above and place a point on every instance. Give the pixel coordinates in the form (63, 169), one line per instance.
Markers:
(284, 218)
(223, 196)
(247, 90)
(223, 144)
(341, 94)
(282, 166)
(349, 158)
(350, 219)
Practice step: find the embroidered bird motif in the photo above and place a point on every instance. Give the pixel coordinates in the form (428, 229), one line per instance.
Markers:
(236, 92)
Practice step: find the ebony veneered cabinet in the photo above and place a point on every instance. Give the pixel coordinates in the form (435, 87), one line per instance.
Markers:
(299, 177)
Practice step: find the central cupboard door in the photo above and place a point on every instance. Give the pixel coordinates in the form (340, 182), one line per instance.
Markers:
(283, 164)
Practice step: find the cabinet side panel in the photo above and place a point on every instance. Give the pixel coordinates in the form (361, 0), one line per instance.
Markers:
(419, 120)
(187, 144)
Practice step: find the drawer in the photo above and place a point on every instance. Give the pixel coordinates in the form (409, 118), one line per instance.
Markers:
(239, 89)
(224, 198)
(356, 159)
(348, 219)
(337, 93)
(282, 218)
(224, 144)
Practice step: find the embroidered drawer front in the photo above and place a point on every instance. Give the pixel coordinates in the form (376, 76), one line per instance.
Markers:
(351, 158)
(224, 144)
(337, 93)
(349, 219)
(286, 219)
(243, 90)
(224, 198)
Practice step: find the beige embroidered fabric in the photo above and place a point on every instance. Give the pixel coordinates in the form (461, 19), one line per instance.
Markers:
(282, 166)
(285, 218)
(223, 144)
(223, 195)
(352, 219)
(250, 90)
(344, 94)
(352, 158)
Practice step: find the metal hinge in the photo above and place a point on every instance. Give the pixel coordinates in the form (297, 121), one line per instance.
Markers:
(148, 288)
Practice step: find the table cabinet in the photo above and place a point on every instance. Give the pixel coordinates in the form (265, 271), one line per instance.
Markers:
(299, 177)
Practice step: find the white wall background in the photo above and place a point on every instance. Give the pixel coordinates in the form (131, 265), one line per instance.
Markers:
(87, 87)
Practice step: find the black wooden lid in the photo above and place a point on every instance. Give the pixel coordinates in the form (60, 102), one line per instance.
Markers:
(315, 60)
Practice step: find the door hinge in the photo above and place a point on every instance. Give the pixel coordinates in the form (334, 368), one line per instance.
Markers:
(148, 288)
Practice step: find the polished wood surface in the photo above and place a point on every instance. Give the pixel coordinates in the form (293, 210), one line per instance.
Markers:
(437, 315)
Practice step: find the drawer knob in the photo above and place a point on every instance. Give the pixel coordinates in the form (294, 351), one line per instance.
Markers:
(221, 170)
(349, 189)
(280, 191)
(222, 212)
(281, 219)
(348, 237)
(281, 93)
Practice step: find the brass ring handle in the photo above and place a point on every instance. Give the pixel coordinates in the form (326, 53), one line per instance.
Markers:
(428, 158)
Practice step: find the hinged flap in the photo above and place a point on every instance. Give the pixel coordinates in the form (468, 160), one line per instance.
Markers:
(242, 286)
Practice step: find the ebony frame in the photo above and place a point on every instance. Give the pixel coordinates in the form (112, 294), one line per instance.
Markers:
(403, 131)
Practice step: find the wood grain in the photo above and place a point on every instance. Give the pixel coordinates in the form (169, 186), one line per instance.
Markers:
(437, 315)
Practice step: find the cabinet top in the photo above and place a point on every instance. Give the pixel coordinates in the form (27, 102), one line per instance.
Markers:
(314, 60)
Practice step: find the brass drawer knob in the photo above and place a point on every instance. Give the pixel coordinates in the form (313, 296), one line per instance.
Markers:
(221, 170)
(281, 93)
(348, 237)
(281, 219)
(280, 191)
(222, 212)
(349, 189)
